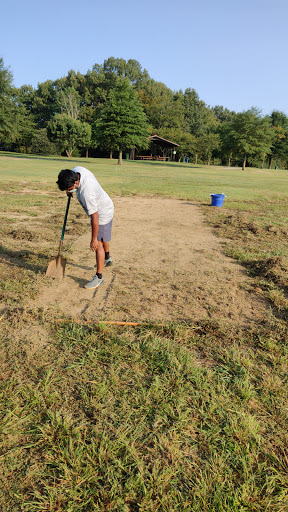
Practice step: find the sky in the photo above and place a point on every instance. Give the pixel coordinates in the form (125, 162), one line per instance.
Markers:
(233, 53)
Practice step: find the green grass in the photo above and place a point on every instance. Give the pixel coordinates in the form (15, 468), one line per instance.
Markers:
(181, 180)
(155, 419)
(186, 418)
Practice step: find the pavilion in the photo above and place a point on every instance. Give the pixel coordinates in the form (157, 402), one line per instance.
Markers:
(167, 148)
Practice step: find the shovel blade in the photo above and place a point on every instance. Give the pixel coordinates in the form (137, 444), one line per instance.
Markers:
(56, 267)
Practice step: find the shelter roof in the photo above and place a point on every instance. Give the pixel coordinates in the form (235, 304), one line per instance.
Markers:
(163, 142)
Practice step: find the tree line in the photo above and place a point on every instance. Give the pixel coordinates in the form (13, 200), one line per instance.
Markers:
(117, 105)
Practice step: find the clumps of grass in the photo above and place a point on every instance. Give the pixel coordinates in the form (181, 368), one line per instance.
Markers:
(130, 420)
(266, 268)
(24, 234)
(278, 298)
(271, 275)
(259, 245)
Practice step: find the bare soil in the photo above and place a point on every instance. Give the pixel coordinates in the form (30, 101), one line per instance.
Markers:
(168, 265)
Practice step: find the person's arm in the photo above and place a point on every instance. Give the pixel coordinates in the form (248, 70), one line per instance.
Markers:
(94, 230)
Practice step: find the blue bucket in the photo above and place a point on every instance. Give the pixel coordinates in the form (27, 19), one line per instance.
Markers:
(217, 199)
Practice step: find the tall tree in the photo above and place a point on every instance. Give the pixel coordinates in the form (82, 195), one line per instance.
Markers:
(25, 129)
(223, 114)
(69, 101)
(200, 118)
(120, 68)
(279, 148)
(250, 135)
(95, 94)
(24, 119)
(207, 144)
(122, 123)
(7, 107)
(41, 144)
(68, 133)
(227, 144)
(164, 109)
(45, 103)
(202, 123)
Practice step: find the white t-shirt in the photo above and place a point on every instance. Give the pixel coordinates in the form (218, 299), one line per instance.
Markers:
(92, 197)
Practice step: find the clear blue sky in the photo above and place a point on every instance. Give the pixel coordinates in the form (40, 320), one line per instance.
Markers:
(232, 52)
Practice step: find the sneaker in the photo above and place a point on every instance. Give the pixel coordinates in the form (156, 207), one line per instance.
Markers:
(95, 281)
(108, 262)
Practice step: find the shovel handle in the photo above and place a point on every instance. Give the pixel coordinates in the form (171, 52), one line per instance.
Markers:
(64, 225)
(65, 218)
(59, 250)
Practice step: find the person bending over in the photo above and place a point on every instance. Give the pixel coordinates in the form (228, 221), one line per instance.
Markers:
(98, 206)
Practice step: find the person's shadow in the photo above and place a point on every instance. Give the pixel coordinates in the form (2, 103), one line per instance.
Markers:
(22, 259)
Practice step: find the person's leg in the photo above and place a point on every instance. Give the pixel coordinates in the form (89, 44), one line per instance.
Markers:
(108, 260)
(100, 257)
(106, 246)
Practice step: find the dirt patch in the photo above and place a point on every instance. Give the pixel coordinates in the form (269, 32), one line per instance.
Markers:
(168, 266)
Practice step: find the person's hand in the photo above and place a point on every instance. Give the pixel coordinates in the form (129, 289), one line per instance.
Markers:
(69, 194)
(94, 244)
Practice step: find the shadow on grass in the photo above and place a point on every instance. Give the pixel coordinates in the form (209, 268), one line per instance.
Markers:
(78, 280)
(266, 268)
(165, 164)
(192, 204)
(21, 259)
(35, 157)
(84, 267)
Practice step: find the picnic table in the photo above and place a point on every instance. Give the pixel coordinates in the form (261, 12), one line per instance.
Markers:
(151, 157)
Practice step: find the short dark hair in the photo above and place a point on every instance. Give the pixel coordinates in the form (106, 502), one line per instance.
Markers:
(66, 179)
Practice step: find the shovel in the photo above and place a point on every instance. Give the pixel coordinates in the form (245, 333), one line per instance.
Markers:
(56, 267)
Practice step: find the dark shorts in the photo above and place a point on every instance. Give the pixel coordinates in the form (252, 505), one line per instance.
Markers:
(104, 232)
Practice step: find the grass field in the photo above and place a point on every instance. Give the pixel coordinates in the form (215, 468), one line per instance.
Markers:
(171, 417)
